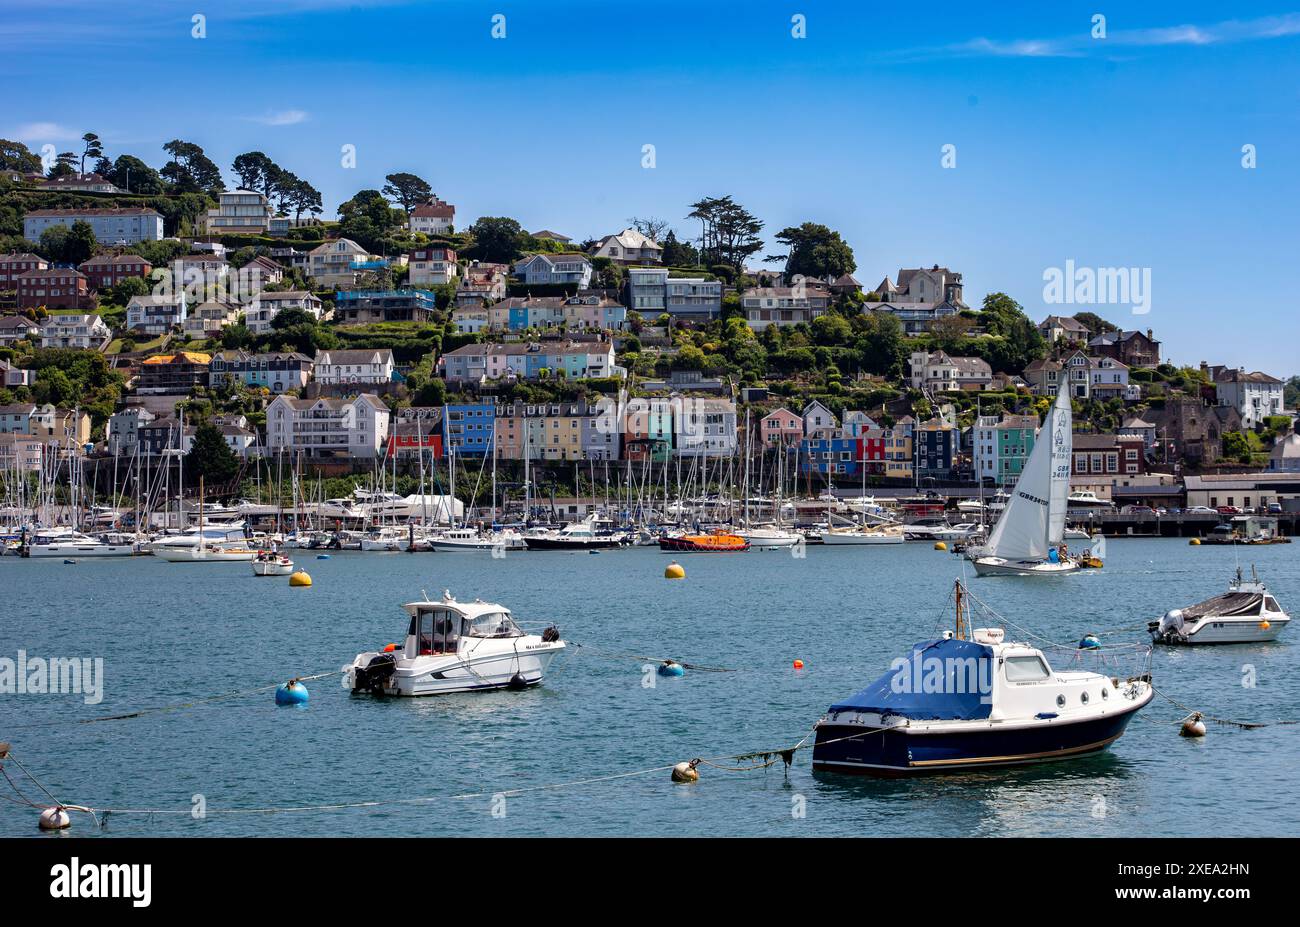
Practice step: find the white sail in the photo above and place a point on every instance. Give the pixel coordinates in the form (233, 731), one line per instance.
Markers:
(1033, 521)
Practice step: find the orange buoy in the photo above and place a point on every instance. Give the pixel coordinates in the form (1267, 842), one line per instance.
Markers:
(798, 664)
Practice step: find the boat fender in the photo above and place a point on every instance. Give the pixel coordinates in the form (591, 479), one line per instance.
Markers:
(389, 648)
(671, 668)
(1264, 625)
(55, 819)
(686, 772)
(551, 634)
(1193, 726)
(517, 682)
(1090, 642)
(292, 692)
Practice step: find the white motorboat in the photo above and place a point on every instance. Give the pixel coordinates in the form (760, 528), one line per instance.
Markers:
(970, 506)
(65, 542)
(939, 530)
(860, 536)
(589, 534)
(269, 563)
(208, 534)
(1246, 614)
(1087, 499)
(389, 538)
(957, 704)
(470, 539)
(455, 646)
(207, 552)
(770, 537)
(1028, 539)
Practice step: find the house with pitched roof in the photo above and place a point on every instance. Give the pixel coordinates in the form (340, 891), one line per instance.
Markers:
(1055, 327)
(374, 366)
(433, 218)
(106, 270)
(1254, 394)
(324, 427)
(629, 247)
(111, 226)
(569, 269)
(54, 288)
(941, 372)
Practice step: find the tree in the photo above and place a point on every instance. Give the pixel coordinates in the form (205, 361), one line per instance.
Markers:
(1094, 323)
(15, 156)
(815, 251)
(677, 253)
(65, 165)
(1236, 446)
(408, 190)
(92, 148)
(650, 227)
(948, 330)
(729, 231)
(497, 239)
(303, 197)
(80, 244)
(210, 456)
(255, 170)
(134, 176)
(190, 169)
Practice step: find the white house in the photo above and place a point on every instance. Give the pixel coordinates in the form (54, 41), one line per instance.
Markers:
(261, 312)
(323, 427)
(357, 366)
(155, 315)
(338, 262)
(432, 266)
(74, 331)
(1255, 395)
(630, 247)
(941, 372)
(124, 429)
(818, 421)
(238, 212)
(433, 218)
(543, 269)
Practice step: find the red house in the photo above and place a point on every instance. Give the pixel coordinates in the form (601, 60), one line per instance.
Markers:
(871, 451)
(54, 288)
(106, 270)
(407, 439)
(1108, 455)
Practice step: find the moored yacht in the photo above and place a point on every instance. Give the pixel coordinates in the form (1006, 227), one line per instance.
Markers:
(769, 536)
(1246, 614)
(453, 646)
(589, 534)
(861, 536)
(958, 704)
(66, 542)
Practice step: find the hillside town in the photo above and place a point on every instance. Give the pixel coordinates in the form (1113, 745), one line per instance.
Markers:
(161, 313)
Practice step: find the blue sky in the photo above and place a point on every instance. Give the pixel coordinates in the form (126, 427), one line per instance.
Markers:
(1122, 151)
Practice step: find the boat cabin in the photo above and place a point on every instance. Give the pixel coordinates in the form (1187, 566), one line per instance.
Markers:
(438, 628)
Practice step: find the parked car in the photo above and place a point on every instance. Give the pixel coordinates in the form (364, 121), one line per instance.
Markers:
(1200, 510)
(1275, 508)
(1137, 510)
(1228, 510)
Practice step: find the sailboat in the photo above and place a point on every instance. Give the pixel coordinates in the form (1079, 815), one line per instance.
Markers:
(1028, 537)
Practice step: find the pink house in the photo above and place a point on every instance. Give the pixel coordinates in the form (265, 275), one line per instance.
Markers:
(780, 428)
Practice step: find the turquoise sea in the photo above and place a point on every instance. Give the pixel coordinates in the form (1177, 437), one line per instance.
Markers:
(172, 633)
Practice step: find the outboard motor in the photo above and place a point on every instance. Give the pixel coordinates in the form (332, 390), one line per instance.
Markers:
(372, 677)
(1171, 623)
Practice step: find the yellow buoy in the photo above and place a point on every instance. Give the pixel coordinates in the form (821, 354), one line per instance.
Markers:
(1194, 542)
(686, 772)
(675, 571)
(300, 578)
(940, 545)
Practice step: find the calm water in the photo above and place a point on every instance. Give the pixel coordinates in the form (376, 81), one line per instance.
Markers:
(170, 632)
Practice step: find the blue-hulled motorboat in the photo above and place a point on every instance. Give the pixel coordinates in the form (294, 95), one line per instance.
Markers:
(975, 701)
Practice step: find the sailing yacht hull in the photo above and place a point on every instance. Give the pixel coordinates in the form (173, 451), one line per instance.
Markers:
(74, 549)
(996, 566)
(849, 538)
(771, 541)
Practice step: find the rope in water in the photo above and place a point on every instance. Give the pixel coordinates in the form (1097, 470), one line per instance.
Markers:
(698, 667)
(761, 759)
(1247, 725)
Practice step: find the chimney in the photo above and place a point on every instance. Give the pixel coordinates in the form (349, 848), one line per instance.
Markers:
(1149, 338)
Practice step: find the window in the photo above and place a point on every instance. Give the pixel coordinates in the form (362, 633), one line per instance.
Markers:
(1025, 669)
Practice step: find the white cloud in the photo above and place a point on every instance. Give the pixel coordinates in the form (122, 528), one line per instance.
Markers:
(284, 117)
(44, 132)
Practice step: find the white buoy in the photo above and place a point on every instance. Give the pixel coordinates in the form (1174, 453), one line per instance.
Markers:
(1193, 726)
(686, 772)
(55, 819)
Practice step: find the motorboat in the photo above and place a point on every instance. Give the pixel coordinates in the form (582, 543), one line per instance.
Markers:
(453, 646)
(1028, 539)
(67, 542)
(1087, 499)
(939, 530)
(387, 538)
(715, 542)
(589, 534)
(207, 534)
(768, 537)
(1246, 614)
(860, 536)
(470, 539)
(976, 701)
(271, 563)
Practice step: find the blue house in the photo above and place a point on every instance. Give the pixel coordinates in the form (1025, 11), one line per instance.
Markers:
(468, 428)
(829, 456)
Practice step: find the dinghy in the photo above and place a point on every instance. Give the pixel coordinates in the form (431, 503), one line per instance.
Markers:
(1028, 539)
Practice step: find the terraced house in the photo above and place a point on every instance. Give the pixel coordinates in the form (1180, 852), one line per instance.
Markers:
(11, 265)
(111, 226)
(275, 372)
(478, 363)
(54, 288)
(106, 270)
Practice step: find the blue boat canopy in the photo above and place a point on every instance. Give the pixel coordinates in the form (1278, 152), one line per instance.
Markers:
(939, 680)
